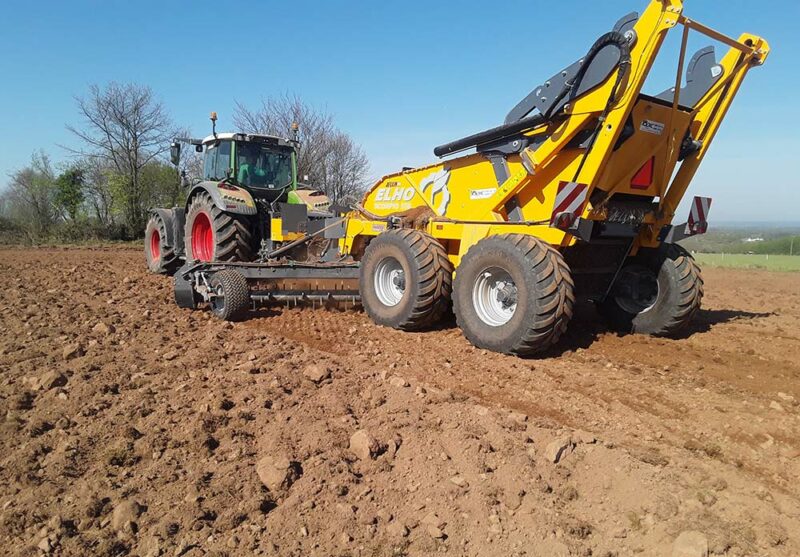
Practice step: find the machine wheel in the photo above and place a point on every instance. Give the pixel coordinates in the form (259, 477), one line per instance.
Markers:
(231, 295)
(214, 235)
(406, 280)
(657, 293)
(161, 258)
(513, 294)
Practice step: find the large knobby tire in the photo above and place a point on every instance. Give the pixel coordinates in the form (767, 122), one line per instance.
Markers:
(513, 294)
(160, 256)
(214, 235)
(405, 280)
(658, 292)
(231, 295)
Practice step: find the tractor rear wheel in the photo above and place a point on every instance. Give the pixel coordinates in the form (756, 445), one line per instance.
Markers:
(405, 280)
(657, 293)
(214, 235)
(160, 256)
(230, 295)
(513, 294)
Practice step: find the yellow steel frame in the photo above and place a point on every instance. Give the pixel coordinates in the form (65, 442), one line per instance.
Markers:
(472, 205)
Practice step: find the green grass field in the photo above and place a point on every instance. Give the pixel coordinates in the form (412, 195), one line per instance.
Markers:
(750, 261)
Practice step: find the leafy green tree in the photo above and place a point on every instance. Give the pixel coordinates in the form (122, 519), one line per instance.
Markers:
(70, 191)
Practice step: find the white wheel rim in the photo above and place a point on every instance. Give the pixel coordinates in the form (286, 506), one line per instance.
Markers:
(390, 281)
(494, 296)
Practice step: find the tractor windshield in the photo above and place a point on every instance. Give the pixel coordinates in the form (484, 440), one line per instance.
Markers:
(263, 166)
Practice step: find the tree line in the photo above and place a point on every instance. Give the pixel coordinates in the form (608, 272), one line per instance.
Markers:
(118, 169)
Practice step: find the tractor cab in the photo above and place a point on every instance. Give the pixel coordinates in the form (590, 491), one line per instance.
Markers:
(266, 166)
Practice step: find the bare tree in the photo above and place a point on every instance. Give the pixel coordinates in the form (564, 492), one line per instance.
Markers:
(124, 128)
(31, 196)
(327, 156)
(345, 167)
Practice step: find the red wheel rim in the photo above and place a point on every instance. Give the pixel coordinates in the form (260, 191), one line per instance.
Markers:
(202, 238)
(155, 245)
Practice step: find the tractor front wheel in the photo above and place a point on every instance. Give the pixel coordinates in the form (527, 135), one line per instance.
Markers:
(657, 293)
(405, 280)
(214, 235)
(513, 294)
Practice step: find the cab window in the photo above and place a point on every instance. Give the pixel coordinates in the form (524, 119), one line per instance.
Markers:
(218, 161)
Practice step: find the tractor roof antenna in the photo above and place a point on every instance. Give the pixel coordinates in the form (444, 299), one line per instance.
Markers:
(214, 124)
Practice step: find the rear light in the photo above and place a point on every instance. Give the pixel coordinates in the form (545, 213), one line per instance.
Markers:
(643, 179)
(226, 186)
(564, 221)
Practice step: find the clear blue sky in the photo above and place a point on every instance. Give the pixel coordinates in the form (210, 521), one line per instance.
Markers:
(400, 77)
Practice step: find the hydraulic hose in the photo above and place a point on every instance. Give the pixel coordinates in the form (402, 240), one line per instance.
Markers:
(612, 38)
(528, 123)
(487, 136)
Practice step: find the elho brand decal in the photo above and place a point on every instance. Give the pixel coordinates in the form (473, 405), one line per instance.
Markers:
(394, 194)
(437, 182)
(650, 126)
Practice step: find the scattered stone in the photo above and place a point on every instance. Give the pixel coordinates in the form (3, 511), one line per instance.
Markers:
(397, 530)
(103, 329)
(125, 515)
(72, 351)
(580, 436)
(365, 446)
(171, 355)
(277, 473)
(460, 481)
(690, 544)
(785, 397)
(559, 448)
(775, 405)
(45, 545)
(317, 373)
(434, 525)
(398, 381)
(51, 380)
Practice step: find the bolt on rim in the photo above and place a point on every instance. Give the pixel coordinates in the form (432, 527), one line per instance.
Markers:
(494, 296)
(389, 281)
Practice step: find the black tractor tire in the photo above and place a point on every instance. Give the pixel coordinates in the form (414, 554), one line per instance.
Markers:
(542, 291)
(421, 264)
(678, 299)
(161, 258)
(231, 298)
(229, 236)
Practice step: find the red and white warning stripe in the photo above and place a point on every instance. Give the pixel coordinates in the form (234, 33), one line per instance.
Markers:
(698, 216)
(570, 198)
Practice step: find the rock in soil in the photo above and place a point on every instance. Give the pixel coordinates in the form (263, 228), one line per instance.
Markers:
(690, 544)
(365, 446)
(277, 473)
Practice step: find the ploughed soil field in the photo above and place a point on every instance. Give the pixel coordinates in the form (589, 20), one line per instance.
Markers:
(131, 427)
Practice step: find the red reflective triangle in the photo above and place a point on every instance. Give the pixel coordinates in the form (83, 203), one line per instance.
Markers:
(643, 179)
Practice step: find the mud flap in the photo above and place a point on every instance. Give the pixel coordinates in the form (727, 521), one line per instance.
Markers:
(185, 296)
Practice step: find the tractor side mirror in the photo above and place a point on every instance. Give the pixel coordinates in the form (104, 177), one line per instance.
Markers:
(175, 153)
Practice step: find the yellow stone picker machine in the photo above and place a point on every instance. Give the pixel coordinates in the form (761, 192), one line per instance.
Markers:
(573, 196)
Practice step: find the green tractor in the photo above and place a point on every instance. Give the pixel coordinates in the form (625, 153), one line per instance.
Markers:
(228, 214)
